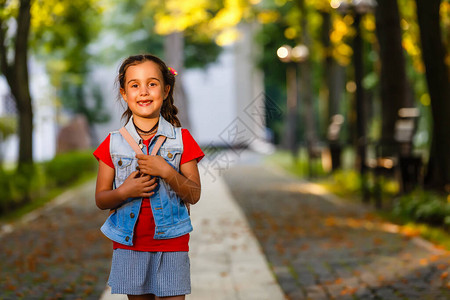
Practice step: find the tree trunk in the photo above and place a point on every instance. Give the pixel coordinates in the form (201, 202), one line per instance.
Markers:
(360, 96)
(332, 77)
(17, 78)
(334, 85)
(22, 94)
(306, 89)
(433, 53)
(393, 81)
(174, 55)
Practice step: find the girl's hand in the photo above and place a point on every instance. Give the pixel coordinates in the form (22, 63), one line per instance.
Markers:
(153, 165)
(137, 186)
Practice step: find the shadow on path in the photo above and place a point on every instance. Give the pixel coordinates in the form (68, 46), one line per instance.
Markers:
(322, 249)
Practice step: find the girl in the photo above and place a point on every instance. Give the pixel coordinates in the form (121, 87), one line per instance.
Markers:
(148, 195)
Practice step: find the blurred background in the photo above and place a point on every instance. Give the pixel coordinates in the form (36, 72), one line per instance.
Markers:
(354, 94)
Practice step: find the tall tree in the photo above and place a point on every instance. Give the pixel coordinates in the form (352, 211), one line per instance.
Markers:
(51, 25)
(61, 39)
(393, 81)
(16, 70)
(306, 84)
(433, 53)
(197, 21)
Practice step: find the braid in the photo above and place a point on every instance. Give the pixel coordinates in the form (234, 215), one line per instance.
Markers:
(169, 112)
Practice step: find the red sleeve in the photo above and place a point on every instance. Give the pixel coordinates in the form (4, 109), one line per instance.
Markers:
(191, 150)
(102, 152)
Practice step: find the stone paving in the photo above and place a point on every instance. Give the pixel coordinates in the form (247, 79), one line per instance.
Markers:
(320, 247)
(317, 246)
(56, 252)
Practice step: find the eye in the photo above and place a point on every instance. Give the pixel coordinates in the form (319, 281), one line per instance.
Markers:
(134, 85)
(152, 84)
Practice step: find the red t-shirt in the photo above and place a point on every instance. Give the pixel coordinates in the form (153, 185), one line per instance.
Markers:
(145, 226)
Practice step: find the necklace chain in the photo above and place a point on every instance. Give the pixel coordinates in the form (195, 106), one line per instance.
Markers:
(144, 132)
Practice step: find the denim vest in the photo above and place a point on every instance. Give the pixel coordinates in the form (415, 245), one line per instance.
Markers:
(169, 211)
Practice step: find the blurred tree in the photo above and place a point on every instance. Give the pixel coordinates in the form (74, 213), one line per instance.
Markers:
(313, 23)
(14, 66)
(306, 84)
(393, 80)
(60, 29)
(437, 76)
(199, 21)
(62, 32)
(8, 126)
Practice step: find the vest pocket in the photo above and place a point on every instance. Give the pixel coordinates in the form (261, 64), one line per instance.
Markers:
(171, 155)
(122, 166)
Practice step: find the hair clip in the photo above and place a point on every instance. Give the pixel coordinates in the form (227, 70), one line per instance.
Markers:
(173, 71)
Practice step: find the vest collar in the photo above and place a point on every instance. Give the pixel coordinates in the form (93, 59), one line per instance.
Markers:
(164, 128)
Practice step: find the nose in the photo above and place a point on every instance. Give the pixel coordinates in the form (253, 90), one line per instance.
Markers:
(143, 90)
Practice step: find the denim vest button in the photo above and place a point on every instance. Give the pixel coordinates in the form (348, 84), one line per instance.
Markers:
(120, 162)
(170, 155)
(132, 215)
(127, 238)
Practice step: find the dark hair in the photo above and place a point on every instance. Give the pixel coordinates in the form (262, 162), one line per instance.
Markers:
(168, 110)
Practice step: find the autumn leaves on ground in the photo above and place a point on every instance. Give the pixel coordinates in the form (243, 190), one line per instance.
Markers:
(321, 248)
(60, 254)
(317, 247)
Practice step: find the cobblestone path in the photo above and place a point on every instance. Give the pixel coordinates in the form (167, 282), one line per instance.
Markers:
(320, 248)
(57, 252)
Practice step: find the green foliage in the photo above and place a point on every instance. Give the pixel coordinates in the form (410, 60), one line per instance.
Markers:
(68, 167)
(300, 166)
(18, 187)
(32, 182)
(61, 34)
(7, 126)
(344, 182)
(424, 206)
(200, 52)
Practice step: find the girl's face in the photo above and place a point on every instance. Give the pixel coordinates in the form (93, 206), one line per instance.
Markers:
(144, 90)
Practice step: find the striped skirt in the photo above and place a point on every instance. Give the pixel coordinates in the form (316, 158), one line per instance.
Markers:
(160, 273)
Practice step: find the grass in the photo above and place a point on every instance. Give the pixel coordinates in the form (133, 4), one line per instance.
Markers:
(46, 197)
(37, 184)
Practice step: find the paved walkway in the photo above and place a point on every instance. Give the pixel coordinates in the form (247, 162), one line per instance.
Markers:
(56, 252)
(316, 245)
(321, 247)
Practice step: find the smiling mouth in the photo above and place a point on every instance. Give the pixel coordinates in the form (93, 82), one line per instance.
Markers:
(145, 102)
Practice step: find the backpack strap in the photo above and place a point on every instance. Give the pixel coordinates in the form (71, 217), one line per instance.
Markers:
(158, 144)
(126, 135)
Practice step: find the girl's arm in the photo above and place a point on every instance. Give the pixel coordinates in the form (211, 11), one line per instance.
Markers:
(186, 185)
(134, 186)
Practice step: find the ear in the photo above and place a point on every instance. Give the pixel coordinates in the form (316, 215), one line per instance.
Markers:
(124, 94)
(166, 91)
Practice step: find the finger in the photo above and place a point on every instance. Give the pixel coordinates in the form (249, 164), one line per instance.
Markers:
(153, 186)
(145, 177)
(140, 156)
(134, 174)
(146, 195)
(150, 187)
